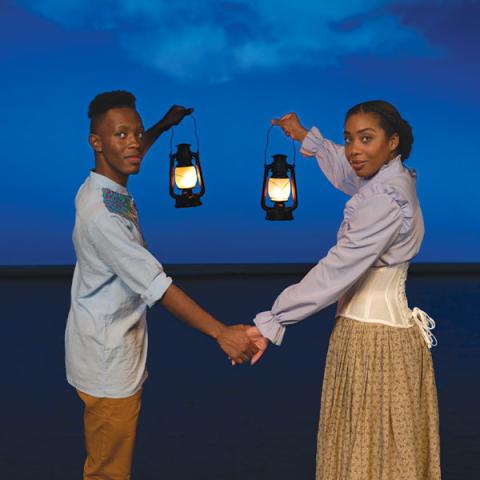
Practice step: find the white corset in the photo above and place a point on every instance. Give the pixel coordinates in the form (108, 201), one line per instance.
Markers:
(379, 297)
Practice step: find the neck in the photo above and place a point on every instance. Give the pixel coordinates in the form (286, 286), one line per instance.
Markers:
(103, 168)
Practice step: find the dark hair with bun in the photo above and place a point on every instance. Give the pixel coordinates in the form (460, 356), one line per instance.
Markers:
(390, 120)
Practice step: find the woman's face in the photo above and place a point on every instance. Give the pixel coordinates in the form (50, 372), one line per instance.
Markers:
(367, 146)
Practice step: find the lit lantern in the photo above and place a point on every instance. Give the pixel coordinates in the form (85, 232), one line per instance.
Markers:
(279, 194)
(185, 175)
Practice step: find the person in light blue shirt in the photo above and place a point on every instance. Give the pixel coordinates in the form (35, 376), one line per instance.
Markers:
(379, 414)
(115, 280)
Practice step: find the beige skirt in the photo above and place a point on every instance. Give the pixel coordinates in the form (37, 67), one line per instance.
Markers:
(379, 413)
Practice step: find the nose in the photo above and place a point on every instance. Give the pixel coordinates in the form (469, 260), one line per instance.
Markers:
(133, 142)
(355, 147)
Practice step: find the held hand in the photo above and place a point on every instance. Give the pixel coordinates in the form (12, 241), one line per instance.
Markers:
(175, 115)
(260, 342)
(235, 342)
(291, 126)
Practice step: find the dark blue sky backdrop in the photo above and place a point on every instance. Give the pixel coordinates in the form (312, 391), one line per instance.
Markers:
(239, 63)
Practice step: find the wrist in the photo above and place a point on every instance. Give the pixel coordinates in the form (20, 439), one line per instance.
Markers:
(217, 331)
(164, 125)
(302, 133)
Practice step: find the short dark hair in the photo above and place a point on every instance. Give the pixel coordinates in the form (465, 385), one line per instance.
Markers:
(390, 120)
(107, 100)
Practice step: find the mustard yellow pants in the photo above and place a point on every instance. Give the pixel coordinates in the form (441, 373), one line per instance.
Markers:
(110, 426)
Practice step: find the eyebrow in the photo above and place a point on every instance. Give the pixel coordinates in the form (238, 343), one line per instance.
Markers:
(122, 125)
(363, 130)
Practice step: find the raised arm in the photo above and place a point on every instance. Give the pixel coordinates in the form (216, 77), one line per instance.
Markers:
(173, 117)
(332, 161)
(330, 156)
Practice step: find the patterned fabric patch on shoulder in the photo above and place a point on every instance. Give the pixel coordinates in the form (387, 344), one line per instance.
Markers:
(120, 204)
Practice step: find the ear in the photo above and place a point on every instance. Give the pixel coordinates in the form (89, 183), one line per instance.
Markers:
(393, 142)
(95, 142)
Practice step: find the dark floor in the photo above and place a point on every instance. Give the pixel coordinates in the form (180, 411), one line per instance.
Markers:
(201, 418)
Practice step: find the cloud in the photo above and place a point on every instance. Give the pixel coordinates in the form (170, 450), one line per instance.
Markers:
(214, 40)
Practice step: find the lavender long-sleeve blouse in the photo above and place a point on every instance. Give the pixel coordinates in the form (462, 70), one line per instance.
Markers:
(382, 226)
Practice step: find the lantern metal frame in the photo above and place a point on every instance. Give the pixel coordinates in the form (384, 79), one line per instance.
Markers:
(184, 157)
(279, 168)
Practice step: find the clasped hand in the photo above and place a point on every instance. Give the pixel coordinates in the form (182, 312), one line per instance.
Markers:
(242, 343)
(175, 115)
(291, 126)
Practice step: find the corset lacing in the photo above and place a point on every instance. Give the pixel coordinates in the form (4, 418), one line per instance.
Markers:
(426, 324)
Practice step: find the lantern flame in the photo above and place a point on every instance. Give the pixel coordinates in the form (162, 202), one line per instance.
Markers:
(279, 189)
(185, 177)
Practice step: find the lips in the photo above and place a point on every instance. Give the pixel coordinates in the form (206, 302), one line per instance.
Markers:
(134, 158)
(358, 165)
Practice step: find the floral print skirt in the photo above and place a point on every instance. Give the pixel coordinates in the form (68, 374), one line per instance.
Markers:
(379, 413)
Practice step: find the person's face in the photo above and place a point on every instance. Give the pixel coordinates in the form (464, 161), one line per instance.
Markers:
(118, 144)
(367, 147)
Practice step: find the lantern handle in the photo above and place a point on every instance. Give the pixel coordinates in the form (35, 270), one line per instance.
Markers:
(266, 147)
(196, 135)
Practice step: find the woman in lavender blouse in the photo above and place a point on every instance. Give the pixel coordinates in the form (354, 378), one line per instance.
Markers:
(379, 414)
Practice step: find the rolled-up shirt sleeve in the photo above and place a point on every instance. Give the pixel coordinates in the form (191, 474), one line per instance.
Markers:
(332, 161)
(134, 264)
(368, 233)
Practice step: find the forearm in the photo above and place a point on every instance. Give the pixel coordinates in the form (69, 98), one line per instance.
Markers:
(174, 116)
(331, 160)
(152, 134)
(179, 304)
(322, 286)
(299, 134)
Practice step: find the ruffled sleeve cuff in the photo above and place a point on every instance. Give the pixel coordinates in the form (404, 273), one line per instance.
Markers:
(157, 289)
(269, 327)
(312, 142)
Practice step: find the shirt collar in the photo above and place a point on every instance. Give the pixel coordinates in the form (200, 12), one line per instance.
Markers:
(391, 169)
(104, 182)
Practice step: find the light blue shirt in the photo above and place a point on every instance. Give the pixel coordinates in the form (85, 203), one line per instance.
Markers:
(114, 281)
(382, 226)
